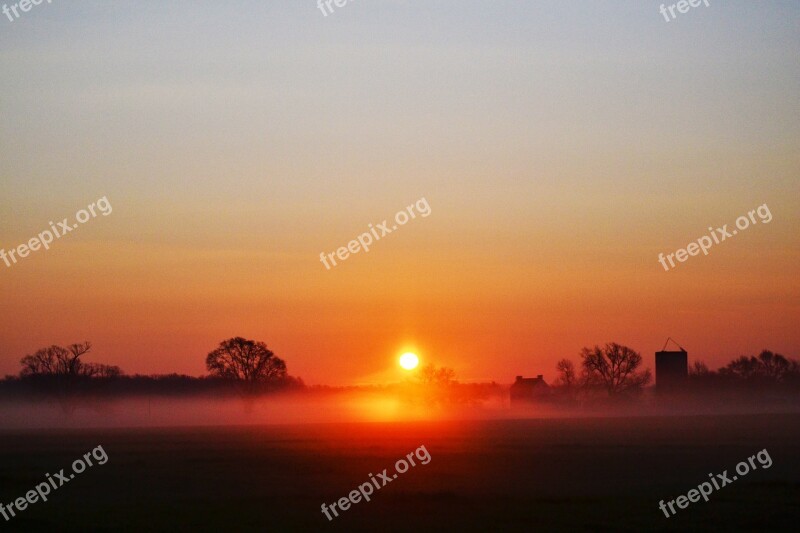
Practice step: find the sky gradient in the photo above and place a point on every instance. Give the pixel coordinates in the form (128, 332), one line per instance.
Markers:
(561, 147)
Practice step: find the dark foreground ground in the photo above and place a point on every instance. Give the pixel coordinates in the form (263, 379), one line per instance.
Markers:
(492, 476)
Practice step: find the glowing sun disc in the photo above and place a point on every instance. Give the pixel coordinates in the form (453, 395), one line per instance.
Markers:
(409, 360)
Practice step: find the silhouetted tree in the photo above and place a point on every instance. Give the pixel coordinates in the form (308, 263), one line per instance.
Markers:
(65, 362)
(59, 371)
(97, 370)
(774, 366)
(744, 368)
(566, 374)
(435, 386)
(614, 368)
(699, 369)
(247, 361)
(43, 362)
(430, 375)
(767, 367)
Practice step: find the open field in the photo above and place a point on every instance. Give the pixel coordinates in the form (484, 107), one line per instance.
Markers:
(503, 475)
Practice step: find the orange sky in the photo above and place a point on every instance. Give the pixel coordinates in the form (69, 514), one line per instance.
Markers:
(559, 152)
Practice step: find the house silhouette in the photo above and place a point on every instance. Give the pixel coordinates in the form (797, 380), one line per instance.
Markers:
(528, 389)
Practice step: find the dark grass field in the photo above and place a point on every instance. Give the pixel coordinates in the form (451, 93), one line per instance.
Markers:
(510, 475)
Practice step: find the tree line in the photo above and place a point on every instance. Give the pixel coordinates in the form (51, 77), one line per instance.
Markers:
(614, 370)
(237, 365)
(243, 366)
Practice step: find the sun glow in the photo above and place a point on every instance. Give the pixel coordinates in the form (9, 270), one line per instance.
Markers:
(409, 360)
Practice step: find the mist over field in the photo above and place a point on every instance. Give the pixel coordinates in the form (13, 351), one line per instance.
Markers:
(331, 408)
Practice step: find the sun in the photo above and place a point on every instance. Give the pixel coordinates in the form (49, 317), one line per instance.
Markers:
(409, 360)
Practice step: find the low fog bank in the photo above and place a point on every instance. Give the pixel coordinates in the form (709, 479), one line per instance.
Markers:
(157, 411)
(338, 406)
